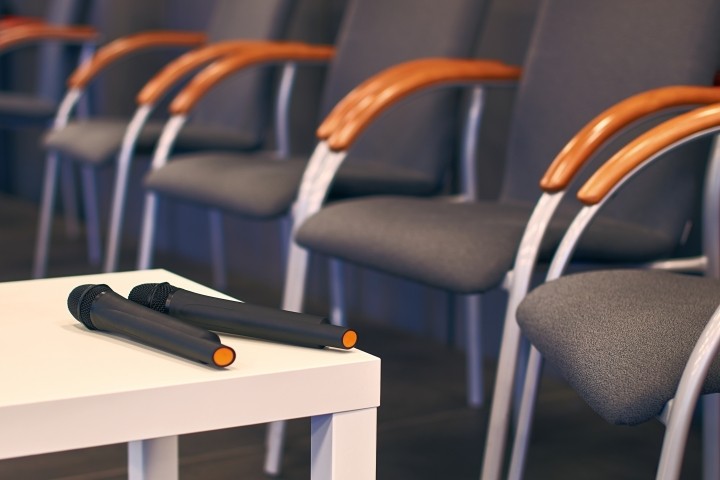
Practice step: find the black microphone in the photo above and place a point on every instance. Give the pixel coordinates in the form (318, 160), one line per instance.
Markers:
(242, 318)
(99, 308)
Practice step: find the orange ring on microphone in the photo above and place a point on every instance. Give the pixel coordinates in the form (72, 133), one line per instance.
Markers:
(349, 339)
(223, 356)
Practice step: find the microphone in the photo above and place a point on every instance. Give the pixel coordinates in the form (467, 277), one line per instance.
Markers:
(98, 307)
(242, 318)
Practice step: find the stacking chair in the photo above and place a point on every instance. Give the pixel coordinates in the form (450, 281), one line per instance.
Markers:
(65, 23)
(574, 70)
(407, 154)
(636, 345)
(59, 37)
(94, 142)
(264, 185)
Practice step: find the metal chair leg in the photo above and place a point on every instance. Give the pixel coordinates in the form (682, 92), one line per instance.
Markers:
(502, 399)
(337, 292)
(293, 293)
(69, 200)
(92, 220)
(711, 436)
(474, 368)
(274, 446)
(147, 235)
(217, 250)
(523, 431)
(47, 206)
(117, 209)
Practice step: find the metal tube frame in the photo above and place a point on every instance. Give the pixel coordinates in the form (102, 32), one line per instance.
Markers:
(505, 376)
(52, 160)
(282, 109)
(117, 209)
(160, 157)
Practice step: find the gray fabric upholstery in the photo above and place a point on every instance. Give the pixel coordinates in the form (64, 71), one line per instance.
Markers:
(263, 186)
(259, 186)
(419, 134)
(251, 93)
(621, 338)
(18, 109)
(463, 248)
(97, 141)
(423, 131)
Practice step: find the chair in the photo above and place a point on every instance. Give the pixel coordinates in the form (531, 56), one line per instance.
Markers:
(265, 185)
(636, 345)
(471, 247)
(262, 186)
(37, 108)
(60, 38)
(94, 142)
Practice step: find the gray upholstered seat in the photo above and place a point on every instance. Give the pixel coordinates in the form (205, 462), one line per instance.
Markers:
(17, 109)
(264, 186)
(621, 338)
(463, 248)
(96, 141)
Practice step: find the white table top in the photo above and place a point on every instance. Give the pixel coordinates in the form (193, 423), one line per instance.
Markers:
(64, 387)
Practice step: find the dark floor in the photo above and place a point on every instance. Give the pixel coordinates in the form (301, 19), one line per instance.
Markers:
(425, 431)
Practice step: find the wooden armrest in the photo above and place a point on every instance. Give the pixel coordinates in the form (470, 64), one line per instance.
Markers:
(588, 140)
(13, 21)
(187, 63)
(427, 73)
(645, 146)
(130, 44)
(365, 93)
(34, 32)
(276, 52)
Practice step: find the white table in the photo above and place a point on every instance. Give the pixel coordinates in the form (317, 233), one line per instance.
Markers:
(64, 387)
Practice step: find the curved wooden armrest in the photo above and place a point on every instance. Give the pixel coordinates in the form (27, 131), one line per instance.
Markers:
(588, 140)
(13, 21)
(645, 146)
(427, 73)
(276, 52)
(130, 44)
(34, 32)
(365, 93)
(187, 63)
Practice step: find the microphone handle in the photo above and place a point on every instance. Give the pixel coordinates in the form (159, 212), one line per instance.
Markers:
(112, 299)
(146, 329)
(258, 322)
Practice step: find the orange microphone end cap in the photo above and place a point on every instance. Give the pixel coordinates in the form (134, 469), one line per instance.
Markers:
(349, 339)
(223, 356)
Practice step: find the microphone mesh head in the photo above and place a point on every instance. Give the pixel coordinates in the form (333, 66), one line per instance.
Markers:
(80, 302)
(153, 295)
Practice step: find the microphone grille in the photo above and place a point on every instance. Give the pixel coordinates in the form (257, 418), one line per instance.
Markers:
(153, 295)
(80, 302)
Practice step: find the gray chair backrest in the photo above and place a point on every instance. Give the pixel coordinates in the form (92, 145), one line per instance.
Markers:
(584, 57)
(55, 60)
(376, 34)
(244, 100)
